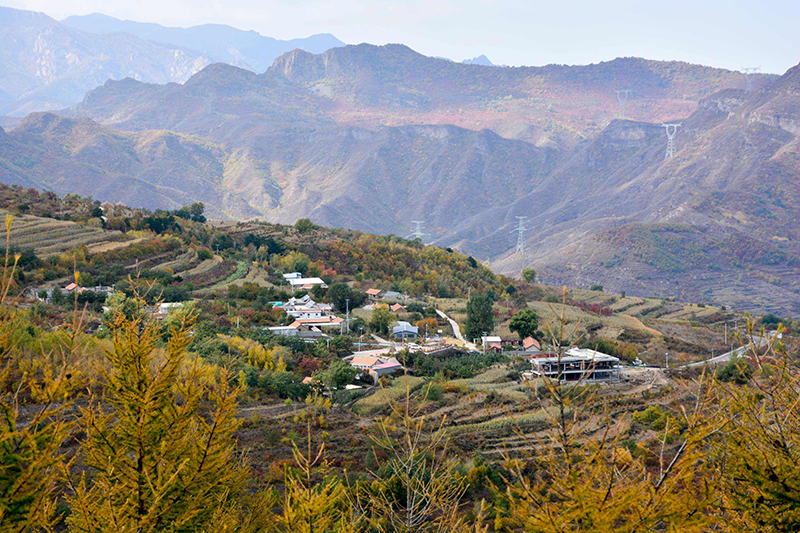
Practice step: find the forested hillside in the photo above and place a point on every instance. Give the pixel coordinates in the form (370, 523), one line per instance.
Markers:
(240, 429)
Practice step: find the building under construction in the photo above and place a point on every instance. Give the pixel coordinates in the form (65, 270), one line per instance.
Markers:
(576, 364)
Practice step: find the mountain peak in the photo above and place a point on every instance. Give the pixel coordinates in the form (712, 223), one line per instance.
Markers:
(480, 60)
(219, 74)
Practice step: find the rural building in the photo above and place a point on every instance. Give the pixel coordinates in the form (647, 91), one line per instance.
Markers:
(307, 332)
(392, 295)
(404, 330)
(486, 342)
(374, 294)
(306, 283)
(162, 311)
(286, 331)
(376, 362)
(324, 322)
(305, 307)
(576, 364)
(292, 275)
(529, 343)
(396, 308)
(494, 347)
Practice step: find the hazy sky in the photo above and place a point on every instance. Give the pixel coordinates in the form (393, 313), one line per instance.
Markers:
(725, 33)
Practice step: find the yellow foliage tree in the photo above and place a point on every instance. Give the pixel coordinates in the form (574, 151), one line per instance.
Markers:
(581, 478)
(30, 462)
(762, 444)
(159, 449)
(418, 488)
(314, 501)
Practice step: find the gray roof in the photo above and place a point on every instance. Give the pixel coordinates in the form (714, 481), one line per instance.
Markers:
(404, 327)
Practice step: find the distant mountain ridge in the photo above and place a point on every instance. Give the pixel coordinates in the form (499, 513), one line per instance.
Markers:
(48, 65)
(247, 49)
(480, 60)
(549, 105)
(341, 138)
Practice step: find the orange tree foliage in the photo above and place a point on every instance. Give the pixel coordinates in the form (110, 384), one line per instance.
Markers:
(407, 266)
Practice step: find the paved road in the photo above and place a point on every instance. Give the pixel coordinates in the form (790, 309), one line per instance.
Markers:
(382, 342)
(457, 331)
(738, 352)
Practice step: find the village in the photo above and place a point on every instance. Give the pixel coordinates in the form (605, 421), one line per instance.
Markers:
(374, 356)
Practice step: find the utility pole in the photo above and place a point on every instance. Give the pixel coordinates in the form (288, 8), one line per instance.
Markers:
(726, 333)
(671, 129)
(348, 314)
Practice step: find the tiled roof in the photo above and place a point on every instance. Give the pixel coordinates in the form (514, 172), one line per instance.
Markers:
(363, 360)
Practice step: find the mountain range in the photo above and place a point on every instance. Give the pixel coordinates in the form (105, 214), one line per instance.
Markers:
(222, 43)
(373, 137)
(50, 65)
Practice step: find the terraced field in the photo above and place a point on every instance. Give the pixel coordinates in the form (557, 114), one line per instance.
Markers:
(383, 397)
(49, 236)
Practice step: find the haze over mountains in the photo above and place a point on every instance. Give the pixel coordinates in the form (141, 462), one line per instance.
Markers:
(372, 137)
(51, 65)
(246, 49)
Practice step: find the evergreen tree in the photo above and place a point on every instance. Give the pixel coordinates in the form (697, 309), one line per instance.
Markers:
(314, 501)
(418, 488)
(160, 448)
(30, 462)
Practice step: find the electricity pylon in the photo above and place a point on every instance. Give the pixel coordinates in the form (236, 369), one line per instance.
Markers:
(622, 96)
(521, 229)
(671, 130)
(417, 233)
(749, 72)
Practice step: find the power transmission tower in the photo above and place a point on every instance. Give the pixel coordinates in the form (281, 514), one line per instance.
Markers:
(521, 229)
(417, 233)
(749, 73)
(671, 129)
(622, 96)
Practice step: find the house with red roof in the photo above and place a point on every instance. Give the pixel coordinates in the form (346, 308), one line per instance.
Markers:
(374, 294)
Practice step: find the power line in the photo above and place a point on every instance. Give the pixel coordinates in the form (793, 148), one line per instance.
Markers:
(671, 130)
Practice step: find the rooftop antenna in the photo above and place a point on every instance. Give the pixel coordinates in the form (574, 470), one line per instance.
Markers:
(417, 233)
(749, 73)
(622, 96)
(671, 129)
(521, 229)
